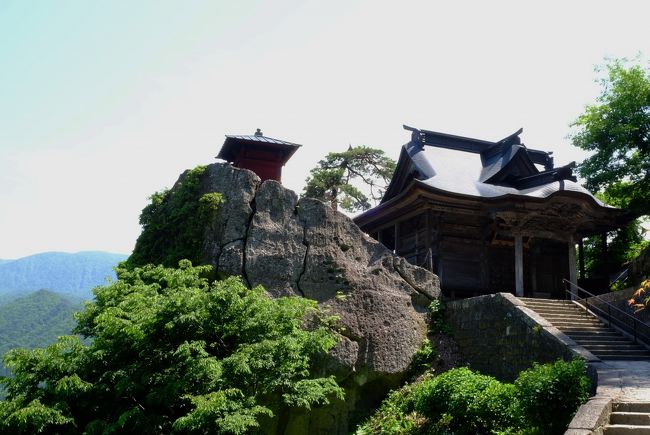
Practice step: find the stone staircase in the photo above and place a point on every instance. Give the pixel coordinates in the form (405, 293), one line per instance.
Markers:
(629, 418)
(587, 330)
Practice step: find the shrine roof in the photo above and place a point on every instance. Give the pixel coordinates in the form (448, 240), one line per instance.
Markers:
(234, 143)
(481, 169)
(264, 139)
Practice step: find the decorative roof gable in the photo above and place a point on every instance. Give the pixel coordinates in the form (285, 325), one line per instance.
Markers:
(507, 162)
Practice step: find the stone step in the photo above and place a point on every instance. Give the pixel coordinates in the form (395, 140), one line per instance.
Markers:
(571, 316)
(551, 306)
(625, 347)
(611, 354)
(620, 357)
(625, 429)
(613, 341)
(560, 316)
(554, 307)
(578, 331)
(604, 333)
(576, 323)
(585, 327)
(631, 407)
(630, 418)
(588, 331)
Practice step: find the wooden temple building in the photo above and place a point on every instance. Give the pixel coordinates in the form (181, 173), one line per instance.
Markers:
(487, 216)
(261, 154)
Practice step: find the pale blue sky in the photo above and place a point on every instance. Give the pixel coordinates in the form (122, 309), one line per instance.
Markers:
(102, 103)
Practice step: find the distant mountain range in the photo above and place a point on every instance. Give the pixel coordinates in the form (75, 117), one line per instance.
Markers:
(73, 274)
(36, 320)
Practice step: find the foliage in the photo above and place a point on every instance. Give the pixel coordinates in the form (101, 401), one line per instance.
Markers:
(427, 355)
(617, 130)
(172, 352)
(468, 402)
(173, 223)
(437, 322)
(397, 414)
(623, 246)
(464, 402)
(550, 394)
(35, 320)
(332, 180)
(424, 357)
(640, 299)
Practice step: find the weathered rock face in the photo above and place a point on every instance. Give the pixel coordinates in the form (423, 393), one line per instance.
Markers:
(302, 247)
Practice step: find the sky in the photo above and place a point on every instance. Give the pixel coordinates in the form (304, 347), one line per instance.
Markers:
(104, 103)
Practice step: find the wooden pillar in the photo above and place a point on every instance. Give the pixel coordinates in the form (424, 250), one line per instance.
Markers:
(573, 275)
(396, 251)
(581, 257)
(519, 266)
(533, 269)
(428, 221)
(603, 252)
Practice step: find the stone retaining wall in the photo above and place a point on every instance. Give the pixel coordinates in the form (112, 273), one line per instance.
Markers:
(498, 335)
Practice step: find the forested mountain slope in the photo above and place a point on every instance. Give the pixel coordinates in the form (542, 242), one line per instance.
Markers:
(36, 320)
(74, 274)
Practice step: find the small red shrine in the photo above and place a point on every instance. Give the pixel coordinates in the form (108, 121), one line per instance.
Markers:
(263, 155)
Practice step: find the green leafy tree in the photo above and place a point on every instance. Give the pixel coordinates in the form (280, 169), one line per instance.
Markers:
(172, 352)
(624, 244)
(333, 179)
(617, 131)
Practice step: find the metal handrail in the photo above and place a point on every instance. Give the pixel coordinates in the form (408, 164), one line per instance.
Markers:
(623, 275)
(610, 306)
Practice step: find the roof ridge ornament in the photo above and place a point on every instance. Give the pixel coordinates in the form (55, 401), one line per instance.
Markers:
(258, 132)
(513, 139)
(416, 135)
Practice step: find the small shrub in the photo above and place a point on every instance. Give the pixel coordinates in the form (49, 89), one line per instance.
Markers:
(437, 323)
(467, 402)
(424, 357)
(460, 401)
(396, 414)
(550, 394)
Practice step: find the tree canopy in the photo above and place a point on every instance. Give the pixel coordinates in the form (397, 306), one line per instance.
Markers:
(617, 130)
(172, 352)
(333, 179)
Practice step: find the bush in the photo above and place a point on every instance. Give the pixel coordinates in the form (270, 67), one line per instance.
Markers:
(461, 401)
(549, 394)
(424, 357)
(466, 402)
(437, 323)
(396, 415)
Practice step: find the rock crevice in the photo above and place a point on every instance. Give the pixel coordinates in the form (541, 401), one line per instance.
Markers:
(291, 246)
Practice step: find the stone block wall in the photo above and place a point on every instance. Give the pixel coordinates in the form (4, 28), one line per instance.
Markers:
(499, 336)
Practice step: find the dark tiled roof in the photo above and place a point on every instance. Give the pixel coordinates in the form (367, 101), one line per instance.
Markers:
(233, 144)
(481, 169)
(255, 138)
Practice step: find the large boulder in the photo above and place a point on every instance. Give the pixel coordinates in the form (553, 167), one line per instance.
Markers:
(266, 234)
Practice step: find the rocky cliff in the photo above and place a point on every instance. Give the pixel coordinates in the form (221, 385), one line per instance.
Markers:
(291, 246)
